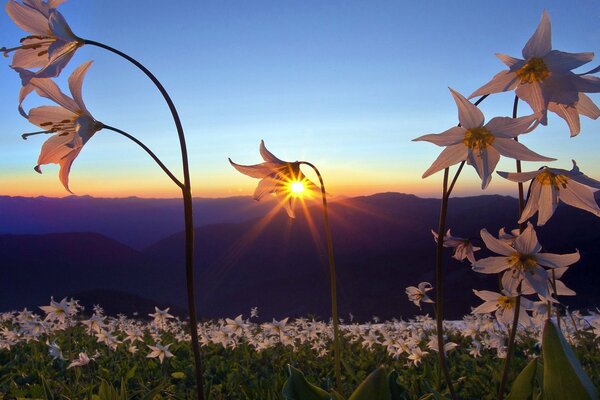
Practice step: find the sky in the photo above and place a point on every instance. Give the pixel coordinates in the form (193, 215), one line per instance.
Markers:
(344, 85)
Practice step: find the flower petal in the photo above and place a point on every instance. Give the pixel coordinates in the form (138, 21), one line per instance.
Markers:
(569, 113)
(48, 89)
(527, 242)
(533, 95)
(76, 82)
(487, 295)
(469, 115)
(258, 171)
(27, 18)
(510, 282)
(557, 260)
(511, 62)
(533, 202)
(59, 26)
(41, 116)
(519, 176)
(267, 155)
(501, 82)
(449, 156)
(580, 196)
(540, 42)
(447, 138)
(496, 245)
(561, 61)
(513, 149)
(538, 279)
(587, 84)
(580, 177)
(510, 127)
(491, 265)
(586, 107)
(547, 203)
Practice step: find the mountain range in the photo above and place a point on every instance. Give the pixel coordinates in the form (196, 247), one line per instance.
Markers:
(127, 254)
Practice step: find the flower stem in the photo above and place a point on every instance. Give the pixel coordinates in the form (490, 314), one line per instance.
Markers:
(333, 279)
(143, 146)
(186, 189)
(556, 295)
(515, 323)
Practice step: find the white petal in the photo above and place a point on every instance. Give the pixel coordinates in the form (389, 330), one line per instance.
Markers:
(510, 127)
(533, 94)
(540, 42)
(557, 260)
(533, 202)
(563, 290)
(449, 156)
(447, 138)
(76, 82)
(527, 242)
(513, 149)
(40, 116)
(586, 107)
(561, 61)
(258, 171)
(491, 265)
(501, 82)
(511, 62)
(65, 167)
(31, 58)
(48, 89)
(510, 282)
(487, 295)
(495, 245)
(469, 115)
(547, 203)
(485, 308)
(27, 18)
(265, 186)
(569, 114)
(587, 84)
(580, 196)
(538, 280)
(578, 176)
(267, 155)
(59, 26)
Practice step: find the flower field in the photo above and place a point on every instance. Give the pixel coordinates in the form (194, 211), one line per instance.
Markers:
(65, 354)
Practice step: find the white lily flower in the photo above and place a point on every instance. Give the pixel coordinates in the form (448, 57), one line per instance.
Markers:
(80, 361)
(480, 145)
(543, 78)
(419, 294)
(550, 185)
(503, 305)
(160, 351)
(522, 261)
(463, 248)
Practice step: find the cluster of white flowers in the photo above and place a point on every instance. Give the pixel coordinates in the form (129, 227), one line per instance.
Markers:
(411, 340)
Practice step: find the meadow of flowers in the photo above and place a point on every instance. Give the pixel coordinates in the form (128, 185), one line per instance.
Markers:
(518, 342)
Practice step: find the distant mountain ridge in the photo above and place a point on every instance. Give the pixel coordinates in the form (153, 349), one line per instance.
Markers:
(382, 243)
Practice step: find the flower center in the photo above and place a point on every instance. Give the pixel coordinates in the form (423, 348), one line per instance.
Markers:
(535, 70)
(547, 177)
(522, 262)
(478, 138)
(506, 302)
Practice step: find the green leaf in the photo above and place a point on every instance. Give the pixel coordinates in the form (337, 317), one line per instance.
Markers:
(564, 378)
(397, 392)
(298, 388)
(522, 387)
(178, 375)
(47, 391)
(374, 387)
(130, 374)
(336, 396)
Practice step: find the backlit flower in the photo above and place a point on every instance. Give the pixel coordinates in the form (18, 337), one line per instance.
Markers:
(463, 248)
(550, 185)
(51, 44)
(279, 178)
(481, 145)
(419, 294)
(160, 351)
(543, 78)
(522, 261)
(503, 305)
(71, 122)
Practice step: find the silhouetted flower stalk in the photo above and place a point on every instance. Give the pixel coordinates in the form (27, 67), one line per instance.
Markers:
(333, 280)
(186, 189)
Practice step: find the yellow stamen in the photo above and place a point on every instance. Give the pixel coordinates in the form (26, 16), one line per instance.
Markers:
(535, 70)
(546, 177)
(506, 302)
(478, 138)
(522, 262)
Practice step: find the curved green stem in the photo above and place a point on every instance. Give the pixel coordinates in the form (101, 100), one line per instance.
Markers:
(188, 214)
(150, 153)
(333, 281)
(515, 323)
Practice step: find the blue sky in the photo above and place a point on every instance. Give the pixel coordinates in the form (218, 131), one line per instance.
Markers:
(345, 85)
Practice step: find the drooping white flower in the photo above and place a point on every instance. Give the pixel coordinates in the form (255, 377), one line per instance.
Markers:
(160, 351)
(80, 361)
(480, 145)
(550, 185)
(57, 311)
(416, 355)
(71, 123)
(280, 178)
(543, 78)
(54, 351)
(522, 261)
(419, 294)
(463, 248)
(503, 306)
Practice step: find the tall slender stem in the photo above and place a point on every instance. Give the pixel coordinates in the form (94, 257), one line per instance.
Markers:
(333, 279)
(150, 153)
(439, 286)
(517, 306)
(188, 215)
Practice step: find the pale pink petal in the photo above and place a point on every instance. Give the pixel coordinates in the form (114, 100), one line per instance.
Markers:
(59, 26)
(510, 127)
(60, 54)
(587, 84)
(48, 89)
(559, 272)
(265, 186)
(527, 242)
(511, 62)
(501, 82)
(519, 176)
(540, 42)
(469, 115)
(31, 58)
(533, 202)
(65, 167)
(569, 113)
(561, 88)
(76, 82)
(28, 19)
(557, 260)
(510, 282)
(576, 175)
(267, 155)
(447, 138)
(487, 295)
(513, 149)
(55, 3)
(538, 280)
(580, 196)
(586, 107)
(563, 290)
(547, 203)
(487, 307)
(449, 156)
(41, 116)
(561, 61)
(533, 95)
(258, 171)
(490, 265)
(289, 208)
(495, 245)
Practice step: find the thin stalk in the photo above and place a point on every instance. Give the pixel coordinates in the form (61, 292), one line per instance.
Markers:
(515, 323)
(150, 153)
(555, 295)
(186, 190)
(439, 302)
(333, 279)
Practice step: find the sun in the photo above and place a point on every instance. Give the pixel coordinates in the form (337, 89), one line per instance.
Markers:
(297, 188)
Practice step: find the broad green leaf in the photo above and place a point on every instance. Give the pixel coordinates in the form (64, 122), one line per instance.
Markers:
(564, 378)
(298, 388)
(336, 396)
(522, 387)
(396, 390)
(374, 387)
